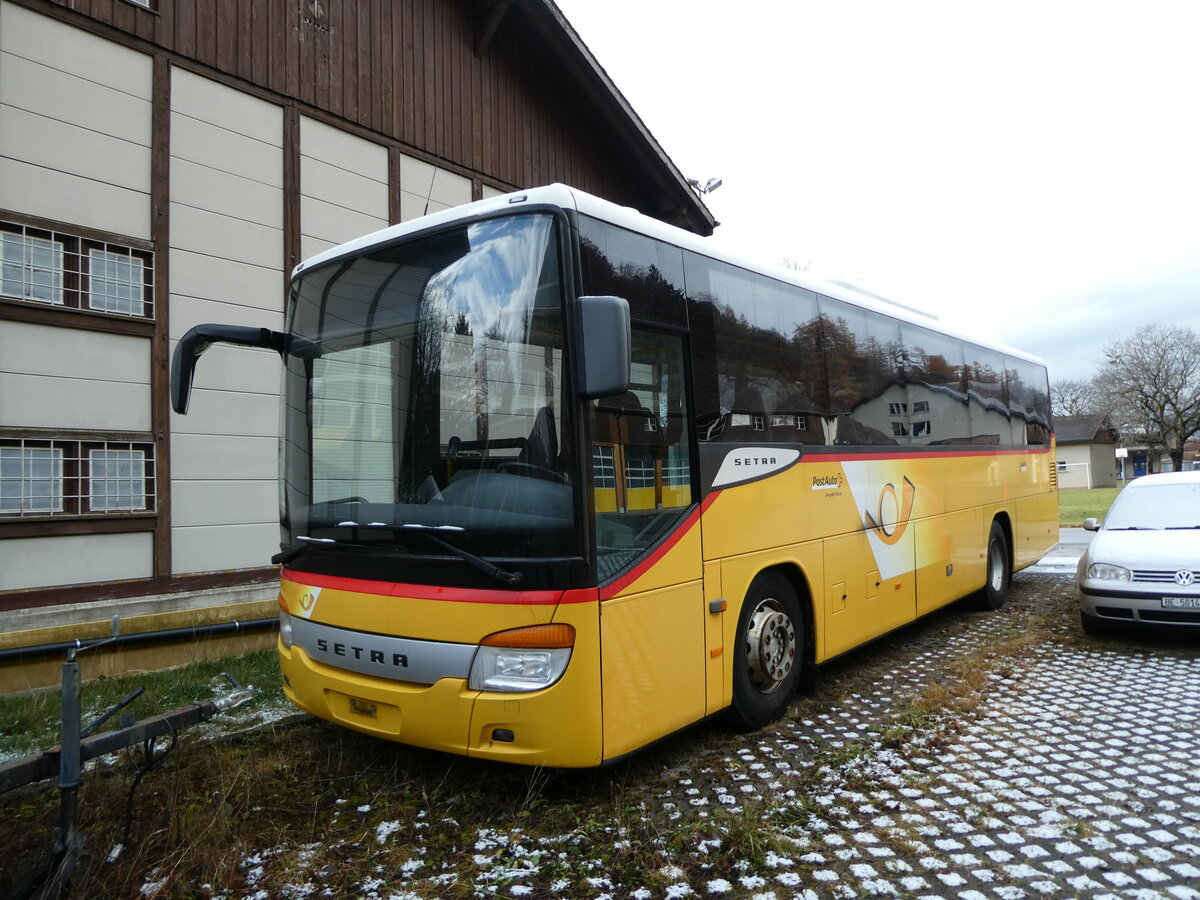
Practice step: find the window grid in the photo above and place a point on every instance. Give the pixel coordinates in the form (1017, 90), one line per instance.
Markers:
(117, 282)
(32, 267)
(639, 472)
(604, 466)
(66, 477)
(31, 480)
(65, 270)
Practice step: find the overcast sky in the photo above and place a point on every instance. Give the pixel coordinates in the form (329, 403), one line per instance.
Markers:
(1026, 171)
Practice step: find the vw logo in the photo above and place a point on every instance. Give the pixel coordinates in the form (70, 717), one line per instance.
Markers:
(1184, 577)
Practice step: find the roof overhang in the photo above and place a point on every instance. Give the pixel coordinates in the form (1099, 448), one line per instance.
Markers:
(674, 200)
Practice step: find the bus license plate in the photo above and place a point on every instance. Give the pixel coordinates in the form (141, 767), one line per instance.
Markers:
(1181, 602)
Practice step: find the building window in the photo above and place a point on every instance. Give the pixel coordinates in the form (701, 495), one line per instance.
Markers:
(32, 267)
(898, 409)
(31, 480)
(116, 282)
(117, 479)
(42, 266)
(921, 429)
(1061, 465)
(899, 429)
(63, 476)
(921, 406)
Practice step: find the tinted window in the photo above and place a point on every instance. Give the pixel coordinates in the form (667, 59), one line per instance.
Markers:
(862, 359)
(1029, 401)
(756, 369)
(987, 393)
(646, 272)
(933, 370)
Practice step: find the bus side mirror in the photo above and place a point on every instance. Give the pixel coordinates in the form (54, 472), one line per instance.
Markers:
(199, 339)
(604, 346)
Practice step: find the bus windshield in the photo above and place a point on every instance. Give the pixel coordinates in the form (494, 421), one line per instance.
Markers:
(424, 400)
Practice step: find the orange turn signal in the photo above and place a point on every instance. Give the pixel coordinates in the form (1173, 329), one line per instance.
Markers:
(535, 636)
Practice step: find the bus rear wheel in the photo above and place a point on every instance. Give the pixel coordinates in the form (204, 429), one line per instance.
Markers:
(999, 571)
(769, 655)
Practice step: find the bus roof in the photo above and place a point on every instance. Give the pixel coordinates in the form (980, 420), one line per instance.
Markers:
(565, 197)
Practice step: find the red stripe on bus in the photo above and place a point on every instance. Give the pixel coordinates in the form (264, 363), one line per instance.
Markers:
(437, 592)
(951, 454)
(646, 564)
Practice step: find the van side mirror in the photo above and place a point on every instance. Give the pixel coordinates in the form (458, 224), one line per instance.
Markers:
(1091, 524)
(604, 346)
(199, 339)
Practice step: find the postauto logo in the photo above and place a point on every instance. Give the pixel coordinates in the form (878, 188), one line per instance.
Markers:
(892, 512)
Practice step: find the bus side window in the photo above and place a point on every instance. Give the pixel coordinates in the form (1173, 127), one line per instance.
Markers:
(642, 469)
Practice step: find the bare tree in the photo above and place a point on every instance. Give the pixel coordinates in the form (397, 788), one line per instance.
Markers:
(1072, 397)
(1151, 382)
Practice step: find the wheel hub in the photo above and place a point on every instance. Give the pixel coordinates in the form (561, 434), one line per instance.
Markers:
(770, 646)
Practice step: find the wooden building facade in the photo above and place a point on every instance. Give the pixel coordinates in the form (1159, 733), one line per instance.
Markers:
(167, 162)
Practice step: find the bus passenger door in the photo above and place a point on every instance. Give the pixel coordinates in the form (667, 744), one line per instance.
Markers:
(652, 612)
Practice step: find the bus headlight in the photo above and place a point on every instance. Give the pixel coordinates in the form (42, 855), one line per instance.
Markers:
(285, 630)
(523, 659)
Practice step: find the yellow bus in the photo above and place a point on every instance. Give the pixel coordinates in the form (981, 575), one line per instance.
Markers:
(559, 480)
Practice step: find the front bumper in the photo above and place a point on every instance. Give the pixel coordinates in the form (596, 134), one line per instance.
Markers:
(1157, 607)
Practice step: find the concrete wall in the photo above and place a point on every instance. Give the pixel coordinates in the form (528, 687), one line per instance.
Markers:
(1087, 465)
(226, 266)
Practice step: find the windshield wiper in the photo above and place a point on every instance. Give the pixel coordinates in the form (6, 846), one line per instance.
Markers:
(512, 579)
(283, 557)
(1183, 528)
(430, 532)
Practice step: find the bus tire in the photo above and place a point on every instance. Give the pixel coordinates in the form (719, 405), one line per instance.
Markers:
(769, 655)
(998, 570)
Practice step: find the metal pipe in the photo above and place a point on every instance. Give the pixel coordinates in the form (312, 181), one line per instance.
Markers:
(16, 654)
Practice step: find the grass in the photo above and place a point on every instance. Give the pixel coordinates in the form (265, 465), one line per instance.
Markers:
(30, 722)
(1077, 504)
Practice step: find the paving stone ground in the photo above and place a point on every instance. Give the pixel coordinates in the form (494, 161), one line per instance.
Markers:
(1077, 775)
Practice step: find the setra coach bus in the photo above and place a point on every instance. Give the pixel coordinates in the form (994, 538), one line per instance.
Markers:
(559, 480)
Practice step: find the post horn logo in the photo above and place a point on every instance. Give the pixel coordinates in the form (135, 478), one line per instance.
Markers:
(890, 528)
(307, 600)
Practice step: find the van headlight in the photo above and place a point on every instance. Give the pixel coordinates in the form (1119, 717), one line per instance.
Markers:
(523, 659)
(1105, 572)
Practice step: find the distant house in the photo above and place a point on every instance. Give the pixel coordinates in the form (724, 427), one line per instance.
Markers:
(1191, 459)
(1191, 456)
(1086, 451)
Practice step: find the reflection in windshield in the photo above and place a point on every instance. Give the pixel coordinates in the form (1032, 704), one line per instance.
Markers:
(435, 397)
(1155, 507)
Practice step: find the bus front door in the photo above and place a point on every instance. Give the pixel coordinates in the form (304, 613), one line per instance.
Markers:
(652, 612)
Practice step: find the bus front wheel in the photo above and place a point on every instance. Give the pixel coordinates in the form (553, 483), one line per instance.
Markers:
(769, 655)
